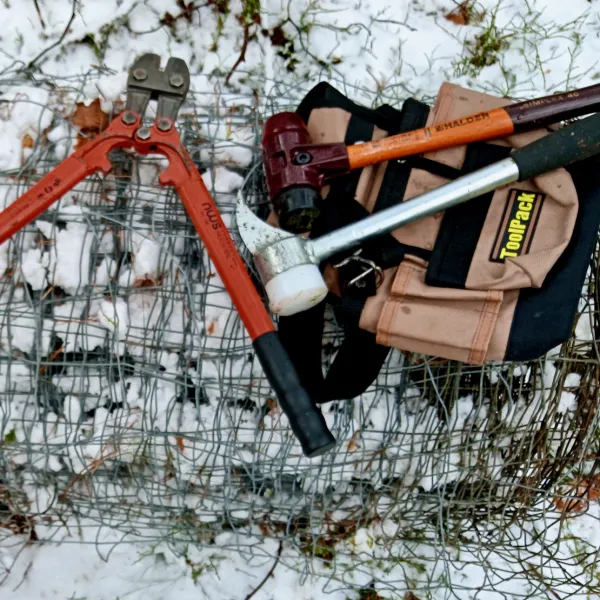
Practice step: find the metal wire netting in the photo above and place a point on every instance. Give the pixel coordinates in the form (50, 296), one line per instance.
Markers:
(130, 398)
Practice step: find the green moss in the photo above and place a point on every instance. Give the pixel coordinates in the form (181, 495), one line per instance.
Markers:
(221, 6)
(284, 45)
(90, 40)
(368, 594)
(320, 548)
(487, 47)
(251, 12)
(484, 50)
(220, 25)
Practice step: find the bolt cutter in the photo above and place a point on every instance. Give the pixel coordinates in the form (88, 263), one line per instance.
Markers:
(169, 88)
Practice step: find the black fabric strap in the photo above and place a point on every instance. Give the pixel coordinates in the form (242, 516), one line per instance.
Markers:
(393, 186)
(413, 116)
(359, 358)
(397, 173)
(344, 188)
(434, 167)
(355, 367)
(302, 334)
(324, 95)
(461, 225)
(302, 337)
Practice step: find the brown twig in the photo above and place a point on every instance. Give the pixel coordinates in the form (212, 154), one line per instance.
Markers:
(52, 358)
(242, 56)
(59, 41)
(39, 12)
(253, 592)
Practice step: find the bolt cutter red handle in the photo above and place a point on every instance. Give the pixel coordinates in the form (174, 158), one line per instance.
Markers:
(304, 417)
(182, 174)
(41, 196)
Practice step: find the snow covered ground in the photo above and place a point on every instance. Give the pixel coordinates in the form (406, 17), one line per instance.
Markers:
(120, 544)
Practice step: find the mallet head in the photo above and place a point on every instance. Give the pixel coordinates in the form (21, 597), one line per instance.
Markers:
(294, 186)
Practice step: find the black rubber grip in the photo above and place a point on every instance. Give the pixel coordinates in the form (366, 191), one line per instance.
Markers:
(306, 420)
(561, 148)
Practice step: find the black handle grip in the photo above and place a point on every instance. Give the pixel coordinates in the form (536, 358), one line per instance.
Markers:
(306, 420)
(570, 144)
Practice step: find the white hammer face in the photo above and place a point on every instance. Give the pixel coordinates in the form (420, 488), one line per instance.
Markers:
(284, 261)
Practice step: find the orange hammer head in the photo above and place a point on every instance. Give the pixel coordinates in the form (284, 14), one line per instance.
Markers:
(295, 170)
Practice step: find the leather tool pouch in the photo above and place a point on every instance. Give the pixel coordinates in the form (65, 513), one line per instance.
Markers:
(496, 278)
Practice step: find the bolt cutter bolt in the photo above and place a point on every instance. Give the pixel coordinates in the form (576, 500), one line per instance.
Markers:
(176, 80)
(140, 74)
(129, 118)
(143, 133)
(163, 124)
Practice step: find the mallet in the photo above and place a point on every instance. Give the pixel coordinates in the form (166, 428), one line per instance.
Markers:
(296, 169)
(287, 263)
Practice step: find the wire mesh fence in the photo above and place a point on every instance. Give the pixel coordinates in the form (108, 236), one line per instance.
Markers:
(130, 397)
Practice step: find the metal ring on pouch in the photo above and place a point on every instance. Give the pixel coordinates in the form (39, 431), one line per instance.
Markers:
(373, 268)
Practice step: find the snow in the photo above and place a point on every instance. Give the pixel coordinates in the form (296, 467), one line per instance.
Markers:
(3, 257)
(94, 422)
(74, 329)
(232, 144)
(18, 332)
(105, 271)
(69, 264)
(113, 316)
(568, 402)
(26, 113)
(34, 267)
(146, 261)
(222, 181)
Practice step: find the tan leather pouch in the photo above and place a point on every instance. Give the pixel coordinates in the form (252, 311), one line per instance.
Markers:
(532, 220)
(454, 295)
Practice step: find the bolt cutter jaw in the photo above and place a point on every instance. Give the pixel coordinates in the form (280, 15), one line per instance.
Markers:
(148, 82)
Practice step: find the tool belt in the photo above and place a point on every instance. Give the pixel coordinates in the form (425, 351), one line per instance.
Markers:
(496, 278)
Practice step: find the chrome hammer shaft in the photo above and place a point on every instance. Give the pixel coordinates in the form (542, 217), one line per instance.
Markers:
(459, 191)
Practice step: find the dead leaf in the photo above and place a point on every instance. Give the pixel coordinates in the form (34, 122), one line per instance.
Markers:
(272, 405)
(144, 283)
(21, 525)
(577, 499)
(353, 443)
(27, 141)
(461, 15)
(91, 120)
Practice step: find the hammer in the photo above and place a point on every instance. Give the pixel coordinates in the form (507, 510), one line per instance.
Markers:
(288, 263)
(296, 170)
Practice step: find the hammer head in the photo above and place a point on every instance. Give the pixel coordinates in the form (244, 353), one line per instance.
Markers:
(285, 263)
(292, 182)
